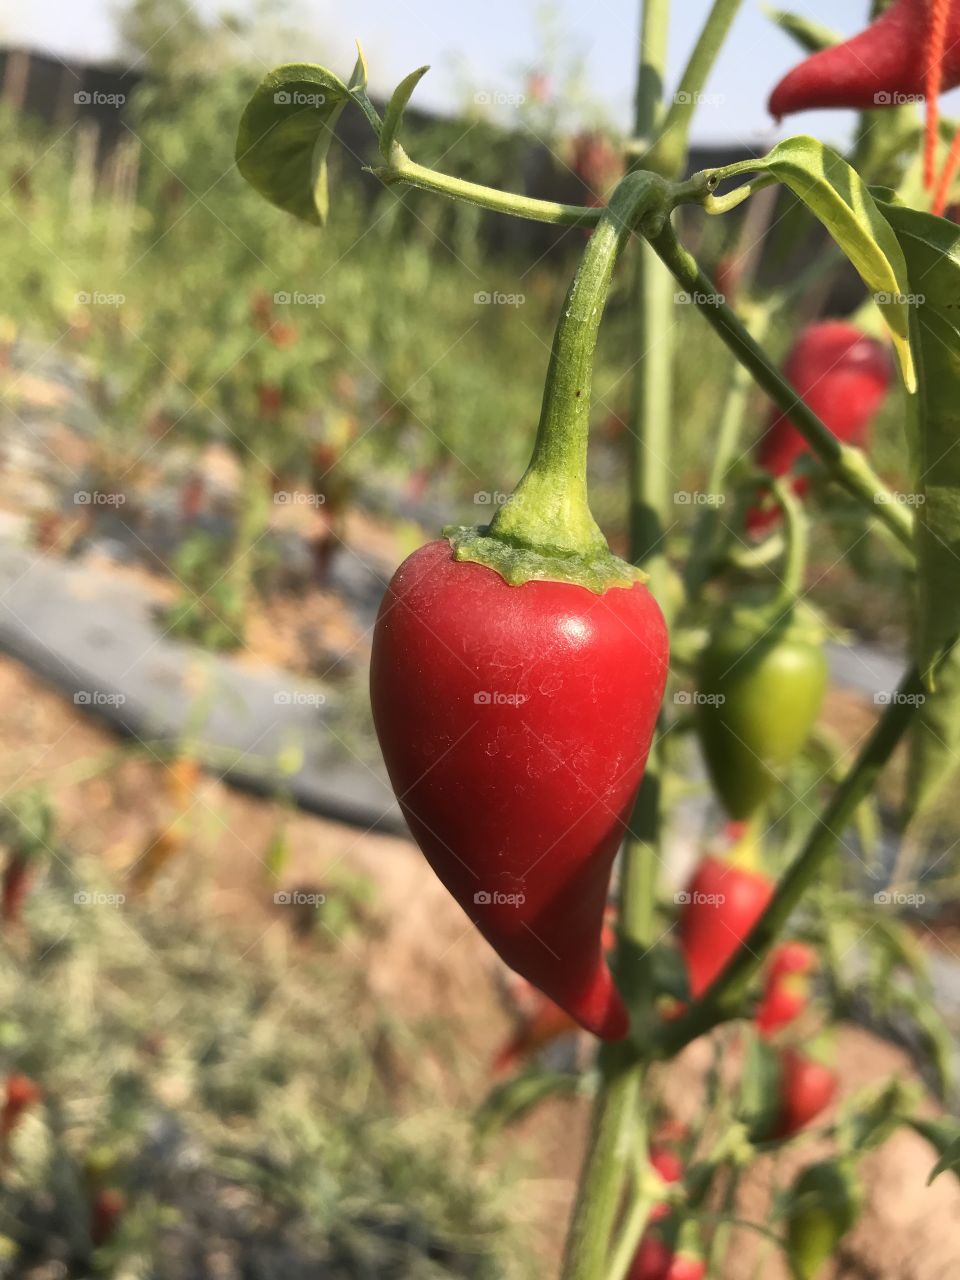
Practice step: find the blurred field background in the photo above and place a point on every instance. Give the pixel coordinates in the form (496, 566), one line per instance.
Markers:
(265, 1034)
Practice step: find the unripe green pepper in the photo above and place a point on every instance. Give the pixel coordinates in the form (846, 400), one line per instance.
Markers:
(760, 689)
(826, 1204)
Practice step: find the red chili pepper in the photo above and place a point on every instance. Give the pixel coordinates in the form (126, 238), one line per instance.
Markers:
(106, 1210)
(843, 376)
(515, 723)
(655, 1260)
(21, 1094)
(723, 903)
(787, 990)
(807, 1087)
(544, 1023)
(670, 1168)
(879, 67)
(14, 888)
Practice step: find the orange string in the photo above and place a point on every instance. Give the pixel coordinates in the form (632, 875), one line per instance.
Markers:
(936, 44)
(947, 174)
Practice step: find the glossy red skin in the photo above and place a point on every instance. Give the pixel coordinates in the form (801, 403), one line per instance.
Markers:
(887, 58)
(655, 1261)
(807, 1087)
(518, 798)
(710, 932)
(843, 376)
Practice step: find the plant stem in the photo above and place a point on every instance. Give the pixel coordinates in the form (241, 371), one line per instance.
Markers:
(402, 169)
(669, 153)
(723, 999)
(610, 1153)
(730, 427)
(616, 1110)
(848, 465)
(550, 505)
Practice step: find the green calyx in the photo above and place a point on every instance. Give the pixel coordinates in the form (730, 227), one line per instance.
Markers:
(546, 530)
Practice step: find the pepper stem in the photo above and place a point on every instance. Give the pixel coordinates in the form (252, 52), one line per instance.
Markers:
(546, 529)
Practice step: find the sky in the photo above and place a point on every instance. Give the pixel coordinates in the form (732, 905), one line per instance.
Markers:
(490, 44)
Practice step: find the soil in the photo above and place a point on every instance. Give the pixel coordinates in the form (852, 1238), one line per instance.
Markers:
(424, 961)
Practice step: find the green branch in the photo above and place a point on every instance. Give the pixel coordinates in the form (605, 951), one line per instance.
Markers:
(668, 154)
(402, 169)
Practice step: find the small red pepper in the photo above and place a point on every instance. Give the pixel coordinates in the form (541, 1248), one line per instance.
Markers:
(14, 888)
(670, 1168)
(807, 1087)
(880, 67)
(21, 1093)
(722, 904)
(843, 376)
(787, 990)
(655, 1260)
(106, 1210)
(515, 723)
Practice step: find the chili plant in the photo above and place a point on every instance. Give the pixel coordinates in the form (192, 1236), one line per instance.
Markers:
(518, 667)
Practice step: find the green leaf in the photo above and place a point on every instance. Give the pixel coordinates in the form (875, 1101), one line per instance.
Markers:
(932, 249)
(835, 193)
(810, 36)
(950, 1160)
(285, 134)
(359, 77)
(943, 1134)
(398, 104)
(514, 1098)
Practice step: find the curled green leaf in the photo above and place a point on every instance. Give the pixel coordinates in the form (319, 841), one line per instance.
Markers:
(285, 134)
(398, 104)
